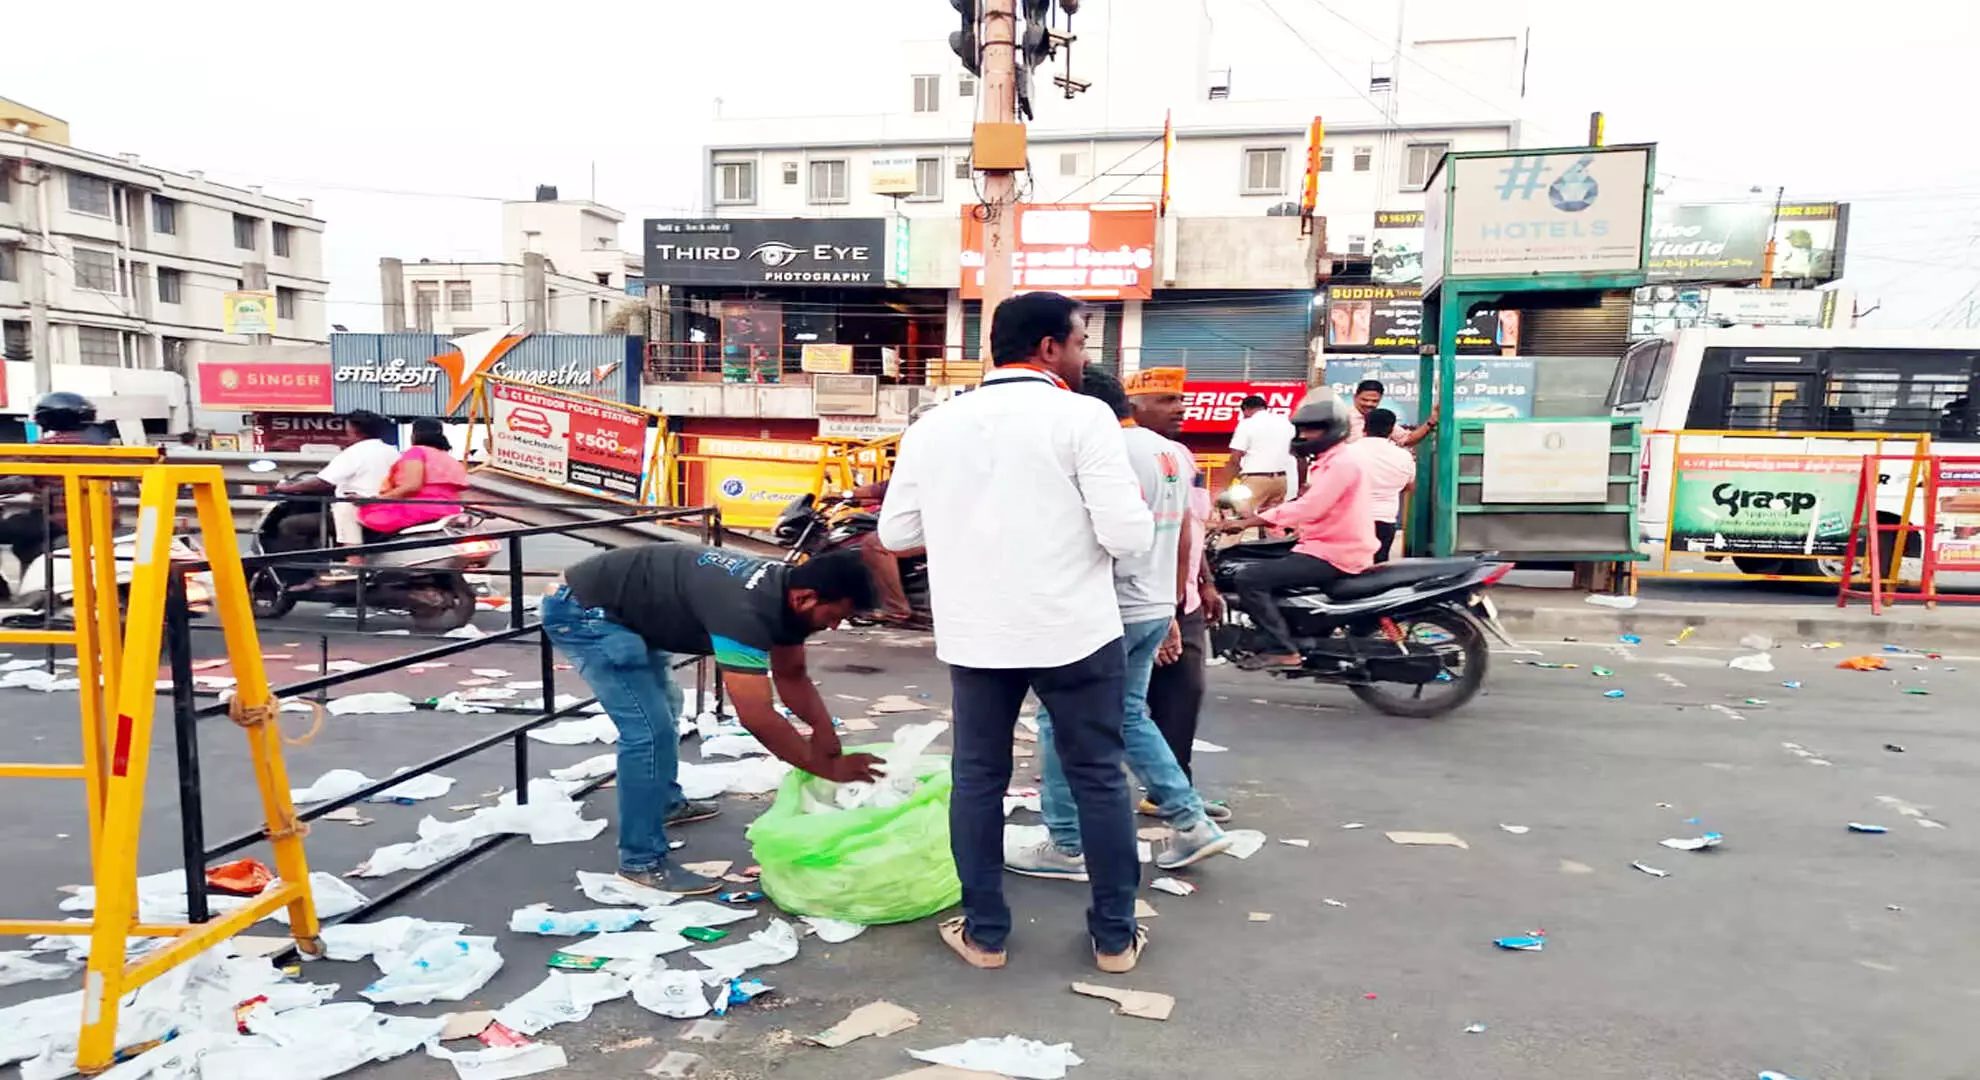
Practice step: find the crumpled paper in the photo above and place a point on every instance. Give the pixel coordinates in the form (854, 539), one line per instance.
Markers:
(573, 732)
(374, 703)
(676, 994)
(563, 997)
(747, 776)
(550, 817)
(1018, 1058)
(501, 1062)
(439, 969)
(613, 889)
(775, 945)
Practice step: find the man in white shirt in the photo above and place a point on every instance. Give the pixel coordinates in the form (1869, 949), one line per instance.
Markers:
(1263, 443)
(358, 471)
(1022, 494)
(1389, 470)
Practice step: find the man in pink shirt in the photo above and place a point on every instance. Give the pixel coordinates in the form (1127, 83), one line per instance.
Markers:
(1389, 471)
(1332, 518)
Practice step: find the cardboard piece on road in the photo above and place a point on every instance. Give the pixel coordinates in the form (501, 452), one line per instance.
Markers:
(895, 703)
(1433, 839)
(711, 868)
(878, 1019)
(466, 1025)
(259, 944)
(1142, 910)
(346, 814)
(860, 723)
(1145, 1004)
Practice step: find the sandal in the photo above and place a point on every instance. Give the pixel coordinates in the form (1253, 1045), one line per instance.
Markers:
(955, 935)
(1121, 963)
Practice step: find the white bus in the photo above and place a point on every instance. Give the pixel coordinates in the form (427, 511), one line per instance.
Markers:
(1897, 384)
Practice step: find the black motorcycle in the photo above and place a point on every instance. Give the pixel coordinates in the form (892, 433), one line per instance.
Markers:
(807, 529)
(1407, 637)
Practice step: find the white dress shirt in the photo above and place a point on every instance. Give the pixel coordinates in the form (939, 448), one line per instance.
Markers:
(1022, 494)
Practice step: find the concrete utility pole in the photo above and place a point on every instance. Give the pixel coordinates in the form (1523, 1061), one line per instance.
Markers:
(999, 99)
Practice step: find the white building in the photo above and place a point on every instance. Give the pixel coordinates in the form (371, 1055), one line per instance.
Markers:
(129, 263)
(563, 271)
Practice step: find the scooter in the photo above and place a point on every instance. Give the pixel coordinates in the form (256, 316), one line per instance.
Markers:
(430, 584)
(1406, 637)
(807, 530)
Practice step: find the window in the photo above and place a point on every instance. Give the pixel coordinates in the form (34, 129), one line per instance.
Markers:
(426, 301)
(6, 180)
(15, 341)
(96, 270)
(244, 229)
(962, 168)
(790, 173)
(735, 182)
(460, 296)
(1265, 171)
(99, 347)
(1326, 159)
(285, 302)
(1363, 156)
(927, 179)
(174, 351)
(9, 256)
(279, 236)
(1069, 164)
(170, 282)
(1423, 159)
(1637, 376)
(604, 277)
(927, 93)
(1894, 392)
(966, 86)
(1357, 245)
(828, 181)
(164, 216)
(89, 194)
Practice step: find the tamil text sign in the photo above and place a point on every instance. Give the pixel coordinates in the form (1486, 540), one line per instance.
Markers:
(265, 387)
(567, 442)
(1554, 212)
(1097, 251)
(1763, 504)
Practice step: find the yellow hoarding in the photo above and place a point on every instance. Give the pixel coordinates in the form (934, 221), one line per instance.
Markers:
(751, 493)
(248, 312)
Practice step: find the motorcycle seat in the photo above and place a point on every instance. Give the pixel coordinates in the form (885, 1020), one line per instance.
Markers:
(1259, 549)
(1379, 579)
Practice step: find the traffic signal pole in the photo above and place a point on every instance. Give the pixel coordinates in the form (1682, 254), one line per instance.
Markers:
(999, 103)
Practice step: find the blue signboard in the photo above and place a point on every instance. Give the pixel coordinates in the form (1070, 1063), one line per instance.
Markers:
(1488, 388)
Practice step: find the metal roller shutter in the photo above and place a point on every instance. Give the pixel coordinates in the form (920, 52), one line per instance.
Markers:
(1108, 315)
(1228, 335)
(1590, 331)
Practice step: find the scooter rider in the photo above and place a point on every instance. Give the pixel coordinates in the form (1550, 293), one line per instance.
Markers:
(1331, 518)
(358, 471)
(63, 418)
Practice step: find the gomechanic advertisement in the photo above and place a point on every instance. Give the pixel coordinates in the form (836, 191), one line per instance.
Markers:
(566, 441)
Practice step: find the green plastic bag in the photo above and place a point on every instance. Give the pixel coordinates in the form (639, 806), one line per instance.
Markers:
(870, 865)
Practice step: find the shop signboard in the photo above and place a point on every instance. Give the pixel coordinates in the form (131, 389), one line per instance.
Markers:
(567, 442)
(816, 357)
(430, 375)
(1213, 407)
(845, 395)
(1389, 318)
(751, 481)
(766, 251)
(1091, 251)
(1956, 520)
(1763, 504)
(1494, 388)
(1663, 309)
(265, 386)
(891, 174)
(1728, 241)
(248, 311)
(1523, 214)
(294, 433)
(1396, 254)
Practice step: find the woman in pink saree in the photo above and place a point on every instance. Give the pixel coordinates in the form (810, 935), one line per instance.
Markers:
(427, 470)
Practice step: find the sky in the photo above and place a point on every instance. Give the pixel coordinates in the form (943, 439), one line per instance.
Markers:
(409, 122)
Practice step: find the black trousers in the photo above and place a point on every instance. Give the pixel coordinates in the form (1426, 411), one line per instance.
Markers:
(307, 532)
(1257, 582)
(1087, 699)
(1175, 691)
(27, 532)
(1385, 534)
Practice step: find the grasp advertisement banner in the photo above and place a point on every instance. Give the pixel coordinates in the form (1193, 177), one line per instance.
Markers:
(1487, 389)
(1764, 504)
(567, 442)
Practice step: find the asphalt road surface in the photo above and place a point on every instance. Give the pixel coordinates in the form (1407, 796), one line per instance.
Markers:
(1797, 946)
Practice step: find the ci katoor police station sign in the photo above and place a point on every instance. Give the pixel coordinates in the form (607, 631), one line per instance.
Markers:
(1523, 215)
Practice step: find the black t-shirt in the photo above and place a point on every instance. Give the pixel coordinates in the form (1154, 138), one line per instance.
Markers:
(693, 600)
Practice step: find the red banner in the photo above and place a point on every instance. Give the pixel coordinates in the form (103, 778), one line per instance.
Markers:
(569, 442)
(266, 386)
(291, 433)
(1213, 406)
(1091, 251)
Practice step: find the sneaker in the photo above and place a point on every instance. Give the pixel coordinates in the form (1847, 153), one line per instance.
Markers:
(673, 879)
(1187, 847)
(691, 811)
(1044, 860)
(1219, 811)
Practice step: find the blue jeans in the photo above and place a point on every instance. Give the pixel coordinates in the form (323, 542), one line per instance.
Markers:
(1148, 753)
(1088, 693)
(632, 681)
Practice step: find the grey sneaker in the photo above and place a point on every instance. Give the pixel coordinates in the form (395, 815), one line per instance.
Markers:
(1045, 860)
(691, 811)
(673, 879)
(1187, 847)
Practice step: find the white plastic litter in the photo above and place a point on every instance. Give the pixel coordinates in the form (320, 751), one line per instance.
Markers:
(388, 942)
(1172, 886)
(674, 918)
(375, 703)
(526, 684)
(613, 889)
(332, 895)
(440, 969)
(775, 945)
(332, 785)
(563, 997)
(590, 768)
(37, 679)
(1021, 1059)
(677, 994)
(467, 632)
(501, 1062)
(491, 672)
(438, 841)
(550, 817)
(1244, 843)
(586, 729)
(731, 745)
(900, 771)
(1205, 746)
(747, 776)
(20, 967)
(833, 931)
(630, 945)
(455, 702)
(1759, 661)
(1620, 603)
(571, 923)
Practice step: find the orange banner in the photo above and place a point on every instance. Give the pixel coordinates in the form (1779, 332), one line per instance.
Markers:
(1092, 251)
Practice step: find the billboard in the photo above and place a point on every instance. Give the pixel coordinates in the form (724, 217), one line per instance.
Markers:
(1763, 504)
(1212, 407)
(1092, 251)
(567, 442)
(248, 312)
(1389, 318)
(265, 386)
(766, 251)
(1496, 388)
(430, 375)
(1661, 309)
(893, 175)
(1397, 252)
(1552, 212)
(1728, 241)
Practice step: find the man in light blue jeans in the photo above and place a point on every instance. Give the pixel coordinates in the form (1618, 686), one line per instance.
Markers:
(1148, 587)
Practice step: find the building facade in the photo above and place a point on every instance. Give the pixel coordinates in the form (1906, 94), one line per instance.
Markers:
(107, 261)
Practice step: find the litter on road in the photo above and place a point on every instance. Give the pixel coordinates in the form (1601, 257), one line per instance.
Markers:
(1011, 1056)
(1696, 843)
(1244, 843)
(1858, 826)
(1516, 830)
(1612, 693)
(1651, 870)
(1428, 839)
(1864, 663)
(1293, 841)
(1331, 902)
(1146, 1004)
(1474, 1029)
(501, 1062)
(1173, 886)
(1259, 916)
(878, 1020)
(1522, 943)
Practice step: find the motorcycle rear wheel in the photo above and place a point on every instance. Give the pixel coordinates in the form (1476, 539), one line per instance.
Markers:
(1443, 628)
(457, 610)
